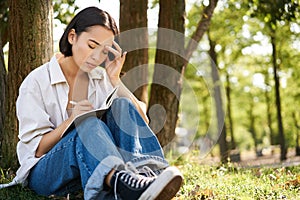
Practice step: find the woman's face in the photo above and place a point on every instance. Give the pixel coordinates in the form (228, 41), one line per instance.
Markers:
(89, 48)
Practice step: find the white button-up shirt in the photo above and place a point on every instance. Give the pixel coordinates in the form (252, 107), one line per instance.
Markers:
(42, 106)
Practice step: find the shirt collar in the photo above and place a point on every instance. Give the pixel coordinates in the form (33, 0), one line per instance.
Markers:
(57, 76)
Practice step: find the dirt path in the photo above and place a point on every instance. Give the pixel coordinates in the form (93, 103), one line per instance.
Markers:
(270, 160)
(250, 159)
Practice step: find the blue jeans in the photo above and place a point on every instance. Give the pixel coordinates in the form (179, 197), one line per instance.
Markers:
(83, 158)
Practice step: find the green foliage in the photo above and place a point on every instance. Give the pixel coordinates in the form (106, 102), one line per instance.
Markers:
(193, 17)
(64, 10)
(154, 3)
(244, 53)
(273, 11)
(195, 103)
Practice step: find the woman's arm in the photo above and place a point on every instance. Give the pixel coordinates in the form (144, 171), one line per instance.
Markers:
(51, 138)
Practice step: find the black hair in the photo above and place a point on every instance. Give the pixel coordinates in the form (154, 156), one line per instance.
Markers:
(86, 18)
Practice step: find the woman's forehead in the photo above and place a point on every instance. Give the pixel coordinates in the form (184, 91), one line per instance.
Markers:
(99, 34)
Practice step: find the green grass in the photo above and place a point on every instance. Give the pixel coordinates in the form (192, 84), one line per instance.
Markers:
(231, 182)
(213, 182)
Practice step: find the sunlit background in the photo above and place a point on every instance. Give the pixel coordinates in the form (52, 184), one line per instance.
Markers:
(240, 71)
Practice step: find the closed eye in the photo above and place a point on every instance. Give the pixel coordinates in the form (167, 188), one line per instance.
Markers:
(92, 45)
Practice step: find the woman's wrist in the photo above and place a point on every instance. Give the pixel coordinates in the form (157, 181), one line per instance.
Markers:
(115, 82)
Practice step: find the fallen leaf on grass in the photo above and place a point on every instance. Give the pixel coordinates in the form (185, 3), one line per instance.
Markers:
(257, 172)
(293, 183)
(198, 193)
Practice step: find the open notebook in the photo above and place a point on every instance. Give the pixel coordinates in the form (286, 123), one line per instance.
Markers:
(97, 112)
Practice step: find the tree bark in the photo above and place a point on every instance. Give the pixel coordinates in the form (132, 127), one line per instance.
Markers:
(2, 89)
(3, 41)
(166, 85)
(134, 39)
(283, 149)
(30, 46)
(218, 102)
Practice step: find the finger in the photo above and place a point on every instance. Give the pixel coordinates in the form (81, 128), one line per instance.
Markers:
(117, 46)
(116, 53)
(84, 105)
(124, 54)
(84, 102)
(123, 58)
(107, 61)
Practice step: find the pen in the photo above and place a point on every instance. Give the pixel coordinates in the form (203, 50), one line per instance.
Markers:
(73, 102)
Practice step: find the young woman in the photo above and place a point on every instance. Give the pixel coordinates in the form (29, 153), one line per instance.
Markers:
(117, 156)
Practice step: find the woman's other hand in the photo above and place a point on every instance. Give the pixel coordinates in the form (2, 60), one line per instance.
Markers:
(114, 67)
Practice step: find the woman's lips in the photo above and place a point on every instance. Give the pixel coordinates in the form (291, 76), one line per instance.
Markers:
(90, 65)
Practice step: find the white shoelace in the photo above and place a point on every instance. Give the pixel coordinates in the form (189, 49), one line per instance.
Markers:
(147, 171)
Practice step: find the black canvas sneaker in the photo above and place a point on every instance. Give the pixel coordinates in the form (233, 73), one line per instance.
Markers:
(132, 186)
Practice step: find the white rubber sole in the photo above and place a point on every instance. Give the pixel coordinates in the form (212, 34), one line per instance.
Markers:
(165, 186)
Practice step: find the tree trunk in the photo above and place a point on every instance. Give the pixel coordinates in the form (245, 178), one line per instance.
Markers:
(229, 113)
(252, 126)
(2, 89)
(134, 40)
(30, 46)
(297, 145)
(269, 115)
(283, 148)
(166, 85)
(218, 102)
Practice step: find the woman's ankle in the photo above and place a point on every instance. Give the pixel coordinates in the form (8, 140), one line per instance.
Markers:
(108, 177)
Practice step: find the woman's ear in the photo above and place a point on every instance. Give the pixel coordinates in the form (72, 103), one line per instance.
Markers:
(71, 36)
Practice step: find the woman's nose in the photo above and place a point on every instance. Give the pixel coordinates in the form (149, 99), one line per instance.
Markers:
(96, 54)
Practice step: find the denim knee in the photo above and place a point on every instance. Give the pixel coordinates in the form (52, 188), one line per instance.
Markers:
(88, 122)
(123, 111)
(90, 126)
(121, 101)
